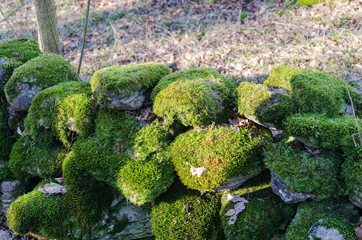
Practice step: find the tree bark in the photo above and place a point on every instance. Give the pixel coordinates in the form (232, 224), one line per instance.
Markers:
(47, 26)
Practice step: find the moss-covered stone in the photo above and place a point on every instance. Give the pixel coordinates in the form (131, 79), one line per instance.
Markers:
(124, 87)
(20, 49)
(61, 113)
(331, 214)
(263, 214)
(223, 152)
(320, 131)
(7, 67)
(150, 172)
(280, 77)
(184, 214)
(35, 75)
(306, 173)
(258, 103)
(29, 159)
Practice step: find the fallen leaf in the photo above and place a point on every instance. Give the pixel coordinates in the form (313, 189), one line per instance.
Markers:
(230, 212)
(358, 231)
(197, 171)
(52, 188)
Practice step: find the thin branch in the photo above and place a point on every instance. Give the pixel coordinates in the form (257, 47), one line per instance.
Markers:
(84, 37)
(7, 20)
(17, 9)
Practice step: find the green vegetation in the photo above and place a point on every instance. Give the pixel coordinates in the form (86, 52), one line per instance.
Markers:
(120, 81)
(182, 214)
(329, 213)
(40, 73)
(306, 173)
(21, 49)
(280, 77)
(61, 113)
(6, 141)
(264, 213)
(222, 151)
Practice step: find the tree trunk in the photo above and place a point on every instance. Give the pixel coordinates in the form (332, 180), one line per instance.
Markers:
(47, 26)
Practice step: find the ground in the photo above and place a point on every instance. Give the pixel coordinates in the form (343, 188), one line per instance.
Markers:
(243, 40)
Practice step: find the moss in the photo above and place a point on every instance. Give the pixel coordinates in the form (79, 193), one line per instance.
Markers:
(38, 212)
(311, 2)
(6, 141)
(28, 159)
(257, 103)
(120, 81)
(321, 93)
(62, 113)
(226, 88)
(20, 49)
(41, 72)
(224, 152)
(352, 172)
(184, 214)
(280, 77)
(306, 173)
(262, 216)
(330, 214)
(330, 133)
(193, 103)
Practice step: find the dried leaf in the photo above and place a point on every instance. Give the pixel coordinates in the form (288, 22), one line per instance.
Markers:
(313, 151)
(197, 171)
(358, 231)
(52, 188)
(19, 131)
(230, 212)
(232, 220)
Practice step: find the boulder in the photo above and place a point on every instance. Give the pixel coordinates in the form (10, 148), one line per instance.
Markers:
(10, 191)
(322, 233)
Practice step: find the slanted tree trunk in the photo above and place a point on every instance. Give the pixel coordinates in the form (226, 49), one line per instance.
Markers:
(47, 26)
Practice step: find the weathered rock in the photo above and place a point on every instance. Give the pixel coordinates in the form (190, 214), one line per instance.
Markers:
(356, 198)
(5, 235)
(233, 183)
(10, 191)
(323, 233)
(26, 92)
(288, 196)
(127, 101)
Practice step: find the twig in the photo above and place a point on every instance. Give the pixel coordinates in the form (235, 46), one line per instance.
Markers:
(7, 20)
(84, 37)
(17, 9)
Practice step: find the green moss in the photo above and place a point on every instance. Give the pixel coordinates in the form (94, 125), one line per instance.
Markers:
(28, 159)
(120, 81)
(352, 173)
(41, 213)
(62, 113)
(306, 173)
(257, 103)
(262, 216)
(280, 77)
(6, 141)
(40, 73)
(311, 2)
(330, 214)
(224, 152)
(321, 93)
(184, 214)
(330, 133)
(226, 88)
(20, 49)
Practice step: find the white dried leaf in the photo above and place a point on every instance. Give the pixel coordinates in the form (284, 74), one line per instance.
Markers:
(232, 220)
(197, 171)
(228, 197)
(230, 212)
(239, 207)
(52, 188)
(19, 131)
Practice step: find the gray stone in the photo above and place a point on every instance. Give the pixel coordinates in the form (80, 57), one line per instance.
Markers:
(10, 191)
(26, 92)
(5, 235)
(356, 198)
(126, 101)
(233, 183)
(319, 232)
(288, 196)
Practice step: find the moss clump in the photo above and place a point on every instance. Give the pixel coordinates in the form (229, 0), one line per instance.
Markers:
(311, 2)
(120, 81)
(6, 141)
(61, 113)
(226, 88)
(352, 174)
(321, 93)
(184, 214)
(28, 159)
(306, 173)
(257, 103)
(262, 216)
(150, 172)
(222, 151)
(330, 214)
(21, 49)
(330, 133)
(41, 213)
(280, 77)
(38, 74)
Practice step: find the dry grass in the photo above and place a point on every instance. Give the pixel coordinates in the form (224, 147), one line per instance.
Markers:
(191, 33)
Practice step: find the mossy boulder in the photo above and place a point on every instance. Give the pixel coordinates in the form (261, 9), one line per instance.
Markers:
(264, 106)
(29, 159)
(253, 212)
(125, 87)
(194, 97)
(208, 158)
(319, 131)
(330, 214)
(280, 77)
(305, 173)
(61, 113)
(184, 214)
(35, 75)
(352, 175)
(20, 49)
